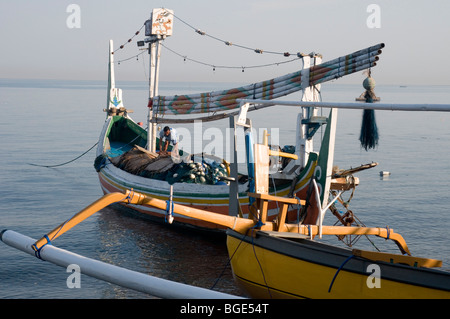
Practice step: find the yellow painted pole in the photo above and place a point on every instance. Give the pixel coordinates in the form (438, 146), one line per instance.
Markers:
(82, 215)
(131, 197)
(313, 230)
(241, 225)
(386, 233)
(283, 154)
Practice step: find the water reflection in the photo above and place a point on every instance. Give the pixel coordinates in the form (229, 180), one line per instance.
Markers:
(163, 251)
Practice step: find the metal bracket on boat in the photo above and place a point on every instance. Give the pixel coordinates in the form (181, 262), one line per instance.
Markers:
(313, 124)
(117, 111)
(169, 209)
(226, 178)
(323, 211)
(242, 117)
(386, 233)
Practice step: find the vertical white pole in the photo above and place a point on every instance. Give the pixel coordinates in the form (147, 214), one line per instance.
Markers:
(304, 146)
(157, 27)
(310, 93)
(155, 55)
(111, 78)
(170, 212)
(150, 133)
(155, 90)
(157, 58)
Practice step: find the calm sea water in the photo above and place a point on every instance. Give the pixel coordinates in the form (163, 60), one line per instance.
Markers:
(51, 122)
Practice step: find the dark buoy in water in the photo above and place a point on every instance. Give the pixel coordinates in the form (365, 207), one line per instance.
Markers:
(384, 175)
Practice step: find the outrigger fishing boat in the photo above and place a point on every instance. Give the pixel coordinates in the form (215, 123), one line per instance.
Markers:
(128, 155)
(276, 259)
(271, 256)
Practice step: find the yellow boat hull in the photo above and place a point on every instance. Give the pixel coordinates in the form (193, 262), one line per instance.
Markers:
(270, 267)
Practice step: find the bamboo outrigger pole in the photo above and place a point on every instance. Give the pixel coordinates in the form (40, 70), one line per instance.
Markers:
(131, 197)
(241, 225)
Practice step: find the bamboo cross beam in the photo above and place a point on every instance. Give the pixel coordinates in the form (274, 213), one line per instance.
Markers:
(294, 76)
(219, 101)
(364, 52)
(344, 73)
(291, 77)
(226, 103)
(263, 90)
(241, 225)
(345, 68)
(344, 62)
(267, 90)
(359, 106)
(254, 89)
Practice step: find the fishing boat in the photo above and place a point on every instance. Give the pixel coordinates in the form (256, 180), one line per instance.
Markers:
(278, 258)
(271, 255)
(282, 260)
(128, 154)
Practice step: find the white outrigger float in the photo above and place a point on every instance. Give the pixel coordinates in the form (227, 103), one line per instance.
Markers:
(271, 255)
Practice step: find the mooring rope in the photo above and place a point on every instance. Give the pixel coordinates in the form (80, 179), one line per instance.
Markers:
(228, 263)
(339, 269)
(49, 166)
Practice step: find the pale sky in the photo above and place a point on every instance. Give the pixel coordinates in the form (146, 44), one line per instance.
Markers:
(37, 43)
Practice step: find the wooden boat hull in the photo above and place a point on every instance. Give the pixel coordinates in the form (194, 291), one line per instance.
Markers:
(266, 266)
(214, 198)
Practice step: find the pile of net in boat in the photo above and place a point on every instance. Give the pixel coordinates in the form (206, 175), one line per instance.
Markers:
(198, 168)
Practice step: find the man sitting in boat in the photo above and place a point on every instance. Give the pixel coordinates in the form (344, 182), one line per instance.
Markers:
(166, 136)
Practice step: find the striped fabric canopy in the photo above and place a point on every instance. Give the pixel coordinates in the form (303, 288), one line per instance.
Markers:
(225, 100)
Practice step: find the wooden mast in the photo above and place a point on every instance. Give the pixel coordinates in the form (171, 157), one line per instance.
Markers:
(157, 28)
(114, 104)
(111, 77)
(154, 62)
